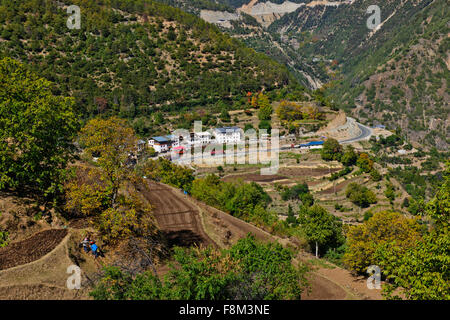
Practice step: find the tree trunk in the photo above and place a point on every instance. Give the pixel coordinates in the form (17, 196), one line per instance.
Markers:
(317, 250)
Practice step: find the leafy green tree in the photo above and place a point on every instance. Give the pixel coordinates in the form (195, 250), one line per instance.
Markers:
(331, 150)
(364, 162)
(4, 239)
(37, 130)
(249, 270)
(420, 271)
(349, 157)
(383, 227)
(246, 197)
(321, 228)
(225, 115)
(360, 195)
(265, 112)
(267, 272)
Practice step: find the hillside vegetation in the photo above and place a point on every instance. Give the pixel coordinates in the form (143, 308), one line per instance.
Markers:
(401, 69)
(396, 75)
(132, 57)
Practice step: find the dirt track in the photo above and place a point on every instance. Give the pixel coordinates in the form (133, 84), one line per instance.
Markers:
(30, 249)
(176, 217)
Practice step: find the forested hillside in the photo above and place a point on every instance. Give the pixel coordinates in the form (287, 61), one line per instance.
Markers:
(397, 75)
(132, 57)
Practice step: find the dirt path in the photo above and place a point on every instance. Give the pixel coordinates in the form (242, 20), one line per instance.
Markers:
(30, 249)
(327, 283)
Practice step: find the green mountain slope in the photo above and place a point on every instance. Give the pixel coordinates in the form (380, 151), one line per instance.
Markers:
(132, 56)
(397, 75)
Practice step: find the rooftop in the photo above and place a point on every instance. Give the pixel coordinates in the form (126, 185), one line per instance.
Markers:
(161, 139)
(228, 129)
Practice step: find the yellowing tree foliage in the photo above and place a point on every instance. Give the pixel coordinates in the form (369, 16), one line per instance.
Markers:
(383, 227)
(112, 141)
(291, 111)
(107, 193)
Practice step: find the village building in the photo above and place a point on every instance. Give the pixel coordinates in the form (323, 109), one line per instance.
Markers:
(231, 135)
(312, 145)
(160, 144)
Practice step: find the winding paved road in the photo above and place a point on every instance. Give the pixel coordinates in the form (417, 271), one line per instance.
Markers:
(366, 133)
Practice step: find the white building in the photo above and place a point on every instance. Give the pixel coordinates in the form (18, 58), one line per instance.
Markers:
(198, 139)
(231, 135)
(203, 138)
(160, 144)
(312, 145)
(174, 141)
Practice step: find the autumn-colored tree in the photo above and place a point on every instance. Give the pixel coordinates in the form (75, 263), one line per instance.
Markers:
(421, 270)
(383, 227)
(112, 141)
(164, 171)
(37, 130)
(364, 162)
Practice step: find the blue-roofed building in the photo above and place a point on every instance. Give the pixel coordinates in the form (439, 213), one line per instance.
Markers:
(160, 144)
(312, 145)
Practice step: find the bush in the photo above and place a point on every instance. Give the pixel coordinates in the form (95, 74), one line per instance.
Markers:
(4, 239)
(249, 270)
(331, 150)
(360, 195)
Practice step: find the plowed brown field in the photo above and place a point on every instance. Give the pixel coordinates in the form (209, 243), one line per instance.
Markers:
(30, 249)
(177, 218)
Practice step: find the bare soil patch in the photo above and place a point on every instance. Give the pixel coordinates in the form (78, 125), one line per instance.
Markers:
(177, 218)
(323, 289)
(307, 172)
(254, 177)
(30, 249)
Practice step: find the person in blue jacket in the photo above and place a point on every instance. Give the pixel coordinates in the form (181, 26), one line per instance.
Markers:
(94, 249)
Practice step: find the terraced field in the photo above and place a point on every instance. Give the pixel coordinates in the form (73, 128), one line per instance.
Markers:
(176, 217)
